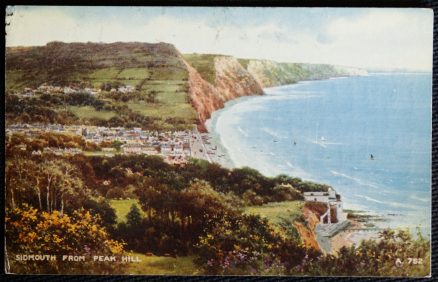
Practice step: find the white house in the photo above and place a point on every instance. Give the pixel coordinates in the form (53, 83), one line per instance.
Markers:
(68, 90)
(132, 148)
(332, 200)
(126, 89)
(166, 149)
(136, 148)
(178, 149)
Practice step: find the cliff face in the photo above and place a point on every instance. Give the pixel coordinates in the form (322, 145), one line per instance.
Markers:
(204, 96)
(307, 233)
(270, 73)
(216, 79)
(231, 81)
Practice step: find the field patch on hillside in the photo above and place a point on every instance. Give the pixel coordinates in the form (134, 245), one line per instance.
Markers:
(88, 112)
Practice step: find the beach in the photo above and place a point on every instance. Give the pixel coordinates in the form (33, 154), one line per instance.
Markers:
(207, 146)
(347, 237)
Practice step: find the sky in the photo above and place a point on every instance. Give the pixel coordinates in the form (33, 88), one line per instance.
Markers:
(372, 38)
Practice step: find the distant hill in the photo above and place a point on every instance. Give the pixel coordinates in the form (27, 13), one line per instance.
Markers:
(271, 73)
(172, 91)
(64, 63)
(157, 72)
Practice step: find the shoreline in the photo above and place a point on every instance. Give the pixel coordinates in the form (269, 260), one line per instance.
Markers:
(223, 156)
(390, 219)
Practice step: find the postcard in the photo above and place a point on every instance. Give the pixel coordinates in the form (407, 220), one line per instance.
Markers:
(218, 141)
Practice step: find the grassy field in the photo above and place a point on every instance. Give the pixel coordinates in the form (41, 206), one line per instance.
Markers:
(172, 98)
(99, 153)
(104, 74)
(169, 72)
(178, 110)
(122, 208)
(14, 80)
(156, 265)
(204, 64)
(87, 112)
(168, 82)
(134, 73)
(244, 62)
(164, 86)
(275, 211)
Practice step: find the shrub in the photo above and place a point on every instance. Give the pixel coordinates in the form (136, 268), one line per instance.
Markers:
(114, 193)
(29, 231)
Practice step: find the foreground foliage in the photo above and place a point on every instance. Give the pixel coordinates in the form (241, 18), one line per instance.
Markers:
(60, 205)
(30, 231)
(395, 253)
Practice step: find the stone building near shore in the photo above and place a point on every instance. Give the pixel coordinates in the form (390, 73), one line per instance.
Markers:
(333, 202)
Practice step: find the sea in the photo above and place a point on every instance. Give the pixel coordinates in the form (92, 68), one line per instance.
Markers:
(369, 137)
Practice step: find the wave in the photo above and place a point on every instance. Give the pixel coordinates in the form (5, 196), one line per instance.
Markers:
(371, 199)
(295, 96)
(357, 180)
(273, 133)
(244, 105)
(338, 77)
(242, 131)
(297, 171)
(322, 144)
(399, 73)
(424, 200)
(387, 203)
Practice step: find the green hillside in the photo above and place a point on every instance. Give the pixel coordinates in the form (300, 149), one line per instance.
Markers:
(155, 71)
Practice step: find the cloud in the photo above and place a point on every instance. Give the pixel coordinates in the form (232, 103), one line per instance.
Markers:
(385, 38)
(392, 38)
(28, 28)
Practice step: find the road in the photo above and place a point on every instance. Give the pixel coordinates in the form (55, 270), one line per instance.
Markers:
(197, 147)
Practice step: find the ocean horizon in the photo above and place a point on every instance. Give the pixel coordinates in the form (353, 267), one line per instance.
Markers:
(369, 137)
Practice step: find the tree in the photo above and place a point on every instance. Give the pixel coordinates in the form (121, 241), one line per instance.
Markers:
(151, 194)
(20, 181)
(199, 203)
(52, 184)
(238, 245)
(134, 218)
(102, 209)
(62, 183)
(117, 144)
(132, 231)
(152, 97)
